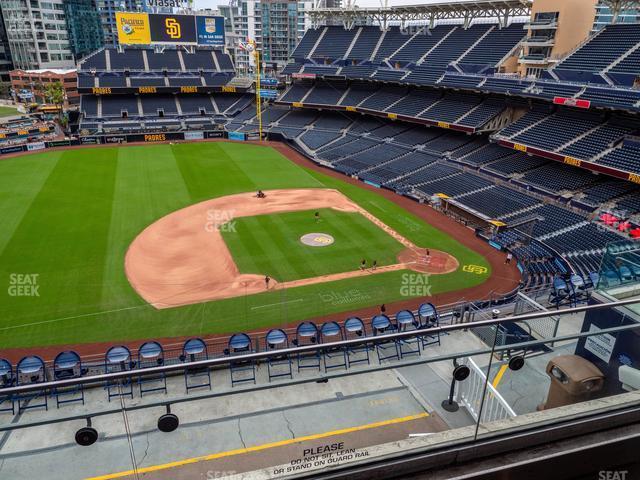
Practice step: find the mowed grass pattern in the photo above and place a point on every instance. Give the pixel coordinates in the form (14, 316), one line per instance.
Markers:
(270, 244)
(69, 217)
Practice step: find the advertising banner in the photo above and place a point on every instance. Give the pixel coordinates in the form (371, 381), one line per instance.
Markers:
(115, 139)
(214, 134)
(193, 135)
(572, 102)
(59, 143)
(13, 149)
(237, 136)
(172, 29)
(35, 146)
(210, 31)
(268, 81)
(268, 93)
(90, 140)
(133, 28)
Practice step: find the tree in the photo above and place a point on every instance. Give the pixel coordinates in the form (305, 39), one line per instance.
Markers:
(54, 93)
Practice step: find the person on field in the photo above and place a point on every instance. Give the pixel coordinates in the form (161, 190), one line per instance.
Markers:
(363, 264)
(317, 216)
(260, 194)
(374, 264)
(383, 309)
(267, 279)
(509, 258)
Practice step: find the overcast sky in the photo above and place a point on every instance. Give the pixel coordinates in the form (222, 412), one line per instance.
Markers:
(362, 3)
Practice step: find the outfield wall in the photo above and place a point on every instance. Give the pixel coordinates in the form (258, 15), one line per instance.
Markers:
(115, 139)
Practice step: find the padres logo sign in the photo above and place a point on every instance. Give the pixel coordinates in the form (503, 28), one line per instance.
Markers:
(477, 269)
(173, 28)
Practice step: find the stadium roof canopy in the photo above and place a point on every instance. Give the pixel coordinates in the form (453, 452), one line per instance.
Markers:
(467, 11)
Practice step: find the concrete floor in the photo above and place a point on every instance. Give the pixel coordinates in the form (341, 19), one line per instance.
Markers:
(245, 431)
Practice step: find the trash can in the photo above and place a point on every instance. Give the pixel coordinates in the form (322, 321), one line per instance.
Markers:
(573, 380)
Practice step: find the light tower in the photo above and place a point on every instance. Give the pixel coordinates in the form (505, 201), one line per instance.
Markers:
(252, 49)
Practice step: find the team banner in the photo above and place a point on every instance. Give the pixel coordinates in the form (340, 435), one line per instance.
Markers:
(133, 28)
(172, 29)
(210, 31)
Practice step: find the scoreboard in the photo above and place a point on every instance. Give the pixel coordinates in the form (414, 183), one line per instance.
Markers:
(135, 28)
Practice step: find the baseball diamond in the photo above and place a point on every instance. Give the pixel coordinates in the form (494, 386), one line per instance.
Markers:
(100, 280)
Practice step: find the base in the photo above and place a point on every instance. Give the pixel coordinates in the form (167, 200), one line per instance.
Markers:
(450, 406)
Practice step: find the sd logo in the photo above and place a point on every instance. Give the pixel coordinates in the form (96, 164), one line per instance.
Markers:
(173, 28)
(477, 269)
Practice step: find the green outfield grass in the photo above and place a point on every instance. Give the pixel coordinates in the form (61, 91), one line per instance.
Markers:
(69, 216)
(270, 244)
(8, 111)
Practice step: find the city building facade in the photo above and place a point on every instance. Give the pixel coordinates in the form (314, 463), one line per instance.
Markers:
(6, 64)
(605, 16)
(28, 85)
(275, 25)
(50, 34)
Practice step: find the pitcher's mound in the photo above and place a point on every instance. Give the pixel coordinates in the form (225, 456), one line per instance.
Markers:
(317, 239)
(428, 261)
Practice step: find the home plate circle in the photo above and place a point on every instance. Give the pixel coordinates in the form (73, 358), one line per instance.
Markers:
(317, 239)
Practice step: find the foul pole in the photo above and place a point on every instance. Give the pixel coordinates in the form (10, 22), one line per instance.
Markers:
(256, 56)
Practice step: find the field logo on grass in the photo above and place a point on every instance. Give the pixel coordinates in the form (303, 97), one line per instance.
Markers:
(222, 220)
(343, 297)
(477, 269)
(415, 285)
(24, 285)
(317, 239)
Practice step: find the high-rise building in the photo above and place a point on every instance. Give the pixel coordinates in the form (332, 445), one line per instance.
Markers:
(275, 25)
(108, 9)
(6, 64)
(83, 26)
(50, 34)
(605, 16)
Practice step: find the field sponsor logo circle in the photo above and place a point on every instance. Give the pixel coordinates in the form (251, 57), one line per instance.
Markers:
(317, 239)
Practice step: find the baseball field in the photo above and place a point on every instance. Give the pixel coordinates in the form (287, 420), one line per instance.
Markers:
(136, 242)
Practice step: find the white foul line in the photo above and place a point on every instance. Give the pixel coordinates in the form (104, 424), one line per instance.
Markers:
(279, 303)
(69, 318)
